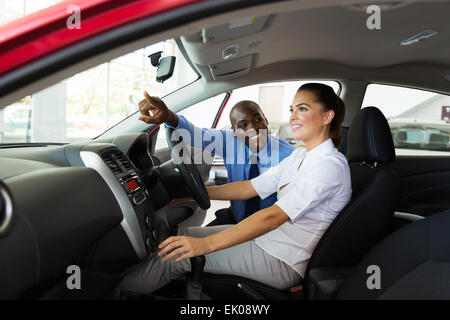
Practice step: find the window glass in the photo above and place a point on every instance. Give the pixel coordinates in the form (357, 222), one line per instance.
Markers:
(419, 119)
(86, 104)
(201, 114)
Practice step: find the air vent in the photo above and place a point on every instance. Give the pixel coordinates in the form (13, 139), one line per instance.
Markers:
(117, 162)
(111, 161)
(124, 161)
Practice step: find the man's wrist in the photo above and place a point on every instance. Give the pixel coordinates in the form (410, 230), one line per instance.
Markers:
(173, 120)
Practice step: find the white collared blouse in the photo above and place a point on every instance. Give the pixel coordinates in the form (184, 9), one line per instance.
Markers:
(312, 188)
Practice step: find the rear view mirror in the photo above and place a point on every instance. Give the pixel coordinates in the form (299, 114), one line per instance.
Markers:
(165, 66)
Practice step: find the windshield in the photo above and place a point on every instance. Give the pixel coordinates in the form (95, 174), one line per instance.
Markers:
(85, 105)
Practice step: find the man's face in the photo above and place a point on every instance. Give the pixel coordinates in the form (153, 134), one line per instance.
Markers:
(250, 126)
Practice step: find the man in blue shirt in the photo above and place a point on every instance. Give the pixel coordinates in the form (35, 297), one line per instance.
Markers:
(247, 149)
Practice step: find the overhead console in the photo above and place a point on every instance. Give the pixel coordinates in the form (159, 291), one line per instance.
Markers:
(234, 29)
(231, 69)
(227, 50)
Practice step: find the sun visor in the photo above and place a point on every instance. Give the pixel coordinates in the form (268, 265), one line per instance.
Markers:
(234, 29)
(231, 68)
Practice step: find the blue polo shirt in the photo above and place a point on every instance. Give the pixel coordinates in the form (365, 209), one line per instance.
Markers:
(235, 155)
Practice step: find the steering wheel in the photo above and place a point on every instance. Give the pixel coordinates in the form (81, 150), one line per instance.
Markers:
(188, 170)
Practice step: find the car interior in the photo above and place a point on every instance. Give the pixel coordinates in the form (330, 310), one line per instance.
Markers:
(104, 204)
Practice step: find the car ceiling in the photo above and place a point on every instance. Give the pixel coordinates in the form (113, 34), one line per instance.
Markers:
(301, 39)
(337, 37)
(339, 34)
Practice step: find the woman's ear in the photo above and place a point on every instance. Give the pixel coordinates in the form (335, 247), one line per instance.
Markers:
(329, 117)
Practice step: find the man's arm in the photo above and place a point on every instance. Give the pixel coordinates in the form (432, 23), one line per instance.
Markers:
(154, 110)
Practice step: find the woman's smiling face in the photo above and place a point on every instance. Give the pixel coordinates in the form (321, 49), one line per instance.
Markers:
(307, 119)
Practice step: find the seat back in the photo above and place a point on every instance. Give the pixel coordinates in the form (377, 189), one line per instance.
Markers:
(364, 221)
(412, 263)
(367, 218)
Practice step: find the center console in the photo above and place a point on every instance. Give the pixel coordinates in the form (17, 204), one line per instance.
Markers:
(129, 191)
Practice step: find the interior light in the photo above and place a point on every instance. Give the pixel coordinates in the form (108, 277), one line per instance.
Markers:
(422, 35)
(230, 51)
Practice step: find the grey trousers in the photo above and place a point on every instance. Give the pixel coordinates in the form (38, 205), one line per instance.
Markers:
(246, 260)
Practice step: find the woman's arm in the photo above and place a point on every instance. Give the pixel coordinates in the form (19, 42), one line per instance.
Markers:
(250, 228)
(239, 190)
(256, 225)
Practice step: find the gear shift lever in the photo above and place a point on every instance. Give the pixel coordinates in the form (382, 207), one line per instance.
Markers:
(194, 284)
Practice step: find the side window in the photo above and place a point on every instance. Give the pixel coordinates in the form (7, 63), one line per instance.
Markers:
(201, 114)
(419, 119)
(274, 99)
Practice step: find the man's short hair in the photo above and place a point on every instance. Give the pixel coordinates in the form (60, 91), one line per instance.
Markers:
(244, 104)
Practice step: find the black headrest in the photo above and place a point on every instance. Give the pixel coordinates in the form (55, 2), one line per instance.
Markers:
(369, 137)
(438, 138)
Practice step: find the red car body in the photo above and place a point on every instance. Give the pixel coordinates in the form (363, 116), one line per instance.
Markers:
(44, 32)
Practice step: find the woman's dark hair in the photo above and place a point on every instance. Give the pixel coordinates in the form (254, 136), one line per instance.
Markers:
(329, 101)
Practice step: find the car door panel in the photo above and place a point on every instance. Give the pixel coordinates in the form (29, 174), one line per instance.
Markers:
(425, 184)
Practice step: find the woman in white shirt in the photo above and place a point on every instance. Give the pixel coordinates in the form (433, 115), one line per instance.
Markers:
(272, 245)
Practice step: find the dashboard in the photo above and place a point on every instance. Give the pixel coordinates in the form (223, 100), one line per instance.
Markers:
(85, 204)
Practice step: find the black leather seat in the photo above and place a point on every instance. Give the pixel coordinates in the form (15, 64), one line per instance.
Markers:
(414, 263)
(365, 220)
